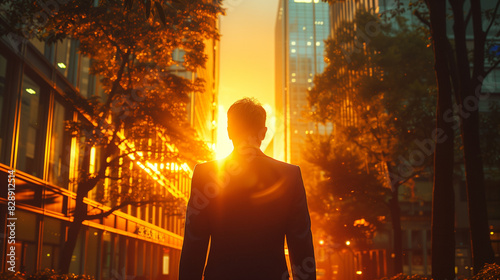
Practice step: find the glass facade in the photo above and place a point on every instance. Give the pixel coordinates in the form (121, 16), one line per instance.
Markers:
(60, 147)
(37, 93)
(31, 141)
(301, 29)
(4, 116)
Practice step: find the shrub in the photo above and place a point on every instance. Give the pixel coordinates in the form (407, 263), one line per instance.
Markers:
(489, 272)
(46, 274)
(406, 277)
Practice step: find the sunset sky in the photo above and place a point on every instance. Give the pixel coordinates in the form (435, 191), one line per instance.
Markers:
(247, 58)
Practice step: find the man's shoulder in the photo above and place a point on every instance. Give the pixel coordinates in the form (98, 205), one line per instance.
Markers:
(281, 164)
(263, 160)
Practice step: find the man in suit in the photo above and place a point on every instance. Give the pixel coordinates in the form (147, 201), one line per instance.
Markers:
(245, 205)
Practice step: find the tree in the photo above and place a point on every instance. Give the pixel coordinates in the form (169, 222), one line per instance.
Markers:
(141, 117)
(348, 194)
(462, 76)
(376, 92)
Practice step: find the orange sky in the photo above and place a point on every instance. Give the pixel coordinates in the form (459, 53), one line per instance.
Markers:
(247, 58)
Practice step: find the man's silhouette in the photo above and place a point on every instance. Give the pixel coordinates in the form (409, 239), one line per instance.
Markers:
(246, 204)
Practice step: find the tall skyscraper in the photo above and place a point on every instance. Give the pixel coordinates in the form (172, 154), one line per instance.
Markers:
(301, 28)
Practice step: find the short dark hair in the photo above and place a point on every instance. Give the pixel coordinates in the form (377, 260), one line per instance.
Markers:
(247, 116)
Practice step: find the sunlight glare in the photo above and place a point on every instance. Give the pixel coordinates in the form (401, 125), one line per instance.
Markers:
(224, 144)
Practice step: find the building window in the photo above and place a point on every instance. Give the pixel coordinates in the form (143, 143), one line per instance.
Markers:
(38, 44)
(60, 147)
(92, 254)
(5, 117)
(62, 56)
(83, 78)
(52, 242)
(26, 241)
(31, 143)
(67, 59)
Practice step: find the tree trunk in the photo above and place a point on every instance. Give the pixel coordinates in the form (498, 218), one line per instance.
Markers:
(73, 232)
(482, 252)
(396, 229)
(443, 202)
(69, 246)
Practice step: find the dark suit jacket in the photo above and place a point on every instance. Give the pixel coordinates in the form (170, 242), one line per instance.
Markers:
(246, 204)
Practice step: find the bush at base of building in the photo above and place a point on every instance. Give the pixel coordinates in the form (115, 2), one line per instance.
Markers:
(47, 274)
(489, 272)
(406, 277)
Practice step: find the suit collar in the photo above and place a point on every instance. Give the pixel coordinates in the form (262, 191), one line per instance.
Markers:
(246, 152)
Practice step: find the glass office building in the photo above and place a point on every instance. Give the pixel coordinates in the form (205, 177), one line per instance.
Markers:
(301, 28)
(38, 86)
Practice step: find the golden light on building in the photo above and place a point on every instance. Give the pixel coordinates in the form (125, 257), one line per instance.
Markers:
(92, 161)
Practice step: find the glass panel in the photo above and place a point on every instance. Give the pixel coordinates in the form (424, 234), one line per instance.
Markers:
(3, 111)
(62, 56)
(60, 148)
(26, 233)
(92, 252)
(106, 254)
(31, 141)
(52, 239)
(39, 45)
(83, 80)
(76, 258)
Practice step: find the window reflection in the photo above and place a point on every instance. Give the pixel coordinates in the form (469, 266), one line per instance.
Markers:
(83, 80)
(62, 56)
(3, 111)
(31, 142)
(60, 147)
(52, 241)
(26, 233)
(38, 44)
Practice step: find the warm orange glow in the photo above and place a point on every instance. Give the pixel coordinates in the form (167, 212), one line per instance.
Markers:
(348, 243)
(359, 272)
(224, 144)
(152, 168)
(322, 242)
(92, 161)
(361, 222)
(247, 55)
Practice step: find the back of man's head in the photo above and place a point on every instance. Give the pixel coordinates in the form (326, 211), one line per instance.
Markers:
(246, 120)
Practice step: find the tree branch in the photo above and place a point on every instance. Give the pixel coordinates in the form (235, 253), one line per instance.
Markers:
(492, 19)
(492, 67)
(122, 205)
(421, 18)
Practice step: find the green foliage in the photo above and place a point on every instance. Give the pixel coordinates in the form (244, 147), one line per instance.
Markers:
(46, 274)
